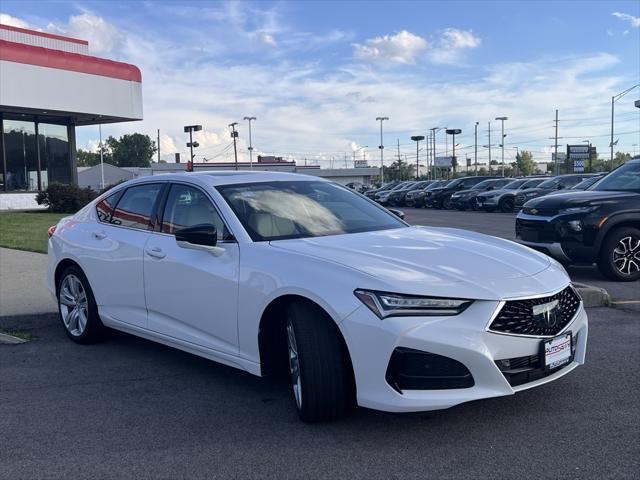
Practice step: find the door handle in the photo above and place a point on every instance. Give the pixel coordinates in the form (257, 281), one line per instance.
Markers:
(155, 252)
(99, 235)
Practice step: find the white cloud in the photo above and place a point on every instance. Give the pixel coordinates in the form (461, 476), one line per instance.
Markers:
(103, 37)
(403, 47)
(267, 39)
(633, 21)
(12, 21)
(455, 39)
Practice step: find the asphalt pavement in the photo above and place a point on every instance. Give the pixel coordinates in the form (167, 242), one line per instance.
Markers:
(128, 408)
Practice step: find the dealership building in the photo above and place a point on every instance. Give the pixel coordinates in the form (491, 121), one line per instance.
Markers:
(49, 84)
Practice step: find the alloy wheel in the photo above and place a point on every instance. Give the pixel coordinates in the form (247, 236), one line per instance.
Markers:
(626, 255)
(74, 307)
(294, 365)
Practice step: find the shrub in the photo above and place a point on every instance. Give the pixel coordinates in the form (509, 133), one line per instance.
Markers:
(65, 198)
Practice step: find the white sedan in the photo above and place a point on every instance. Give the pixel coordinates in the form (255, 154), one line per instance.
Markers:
(273, 271)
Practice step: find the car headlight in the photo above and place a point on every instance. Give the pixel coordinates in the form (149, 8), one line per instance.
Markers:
(420, 194)
(586, 209)
(530, 194)
(385, 304)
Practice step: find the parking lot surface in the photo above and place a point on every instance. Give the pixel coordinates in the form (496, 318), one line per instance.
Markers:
(128, 407)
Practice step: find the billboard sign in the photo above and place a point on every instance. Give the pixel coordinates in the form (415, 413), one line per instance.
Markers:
(360, 164)
(578, 155)
(444, 162)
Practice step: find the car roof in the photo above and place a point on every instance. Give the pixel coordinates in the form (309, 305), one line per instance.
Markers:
(216, 178)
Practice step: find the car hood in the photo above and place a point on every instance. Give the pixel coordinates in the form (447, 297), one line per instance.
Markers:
(437, 261)
(463, 193)
(579, 198)
(499, 191)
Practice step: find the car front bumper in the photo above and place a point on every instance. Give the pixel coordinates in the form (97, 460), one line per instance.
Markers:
(464, 338)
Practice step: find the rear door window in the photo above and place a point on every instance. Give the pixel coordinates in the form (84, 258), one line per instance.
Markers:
(136, 206)
(104, 208)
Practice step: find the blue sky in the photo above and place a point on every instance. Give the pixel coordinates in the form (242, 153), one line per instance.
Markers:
(317, 74)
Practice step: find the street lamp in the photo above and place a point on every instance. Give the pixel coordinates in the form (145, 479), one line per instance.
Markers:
(614, 99)
(453, 132)
(381, 147)
(502, 119)
(417, 138)
(250, 144)
(190, 129)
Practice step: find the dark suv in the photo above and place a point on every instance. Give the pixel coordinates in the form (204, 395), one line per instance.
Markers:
(464, 199)
(560, 182)
(416, 198)
(397, 198)
(601, 224)
(441, 197)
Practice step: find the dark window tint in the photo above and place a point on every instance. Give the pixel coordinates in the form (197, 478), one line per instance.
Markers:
(104, 208)
(135, 207)
(188, 206)
(571, 181)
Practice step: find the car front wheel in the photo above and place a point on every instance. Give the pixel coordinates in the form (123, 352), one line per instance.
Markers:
(507, 205)
(620, 255)
(77, 307)
(320, 370)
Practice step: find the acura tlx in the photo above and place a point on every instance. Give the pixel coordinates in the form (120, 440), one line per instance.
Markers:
(274, 272)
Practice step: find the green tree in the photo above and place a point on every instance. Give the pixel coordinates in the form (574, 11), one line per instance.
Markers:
(399, 170)
(85, 158)
(132, 150)
(525, 163)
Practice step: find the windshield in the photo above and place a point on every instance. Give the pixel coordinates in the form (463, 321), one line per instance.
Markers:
(586, 183)
(301, 209)
(625, 178)
(516, 184)
(551, 183)
(436, 184)
(484, 184)
(532, 183)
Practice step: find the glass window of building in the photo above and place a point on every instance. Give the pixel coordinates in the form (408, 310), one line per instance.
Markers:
(54, 154)
(21, 155)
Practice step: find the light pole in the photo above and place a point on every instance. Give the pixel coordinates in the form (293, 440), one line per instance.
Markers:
(234, 135)
(614, 99)
(250, 144)
(502, 119)
(190, 129)
(590, 164)
(381, 147)
(476, 147)
(435, 130)
(453, 132)
(417, 138)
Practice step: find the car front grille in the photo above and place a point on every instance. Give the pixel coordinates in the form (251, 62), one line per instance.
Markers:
(546, 316)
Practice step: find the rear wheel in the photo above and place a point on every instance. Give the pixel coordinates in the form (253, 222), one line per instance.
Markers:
(507, 205)
(77, 307)
(620, 255)
(446, 203)
(320, 370)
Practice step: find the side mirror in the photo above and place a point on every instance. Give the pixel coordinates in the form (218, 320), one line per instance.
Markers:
(560, 186)
(461, 187)
(199, 237)
(489, 188)
(397, 213)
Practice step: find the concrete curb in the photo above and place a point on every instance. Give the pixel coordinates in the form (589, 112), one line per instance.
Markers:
(593, 296)
(10, 339)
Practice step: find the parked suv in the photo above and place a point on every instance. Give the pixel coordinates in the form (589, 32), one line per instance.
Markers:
(383, 197)
(387, 186)
(560, 182)
(467, 198)
(601, 224)
(505, 198)
(441, 197)
(416, 198)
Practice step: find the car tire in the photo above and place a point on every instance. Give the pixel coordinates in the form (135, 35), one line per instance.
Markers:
(507, 205)
(446, 203)
(319, 366)
(77, 307)
(619, 257)
(488, 209)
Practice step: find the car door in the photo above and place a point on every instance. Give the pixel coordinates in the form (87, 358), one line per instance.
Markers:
(192, 294)
(114, 258)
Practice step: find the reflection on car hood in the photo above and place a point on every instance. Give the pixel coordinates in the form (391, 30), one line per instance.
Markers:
(438, 261)
(579, 198)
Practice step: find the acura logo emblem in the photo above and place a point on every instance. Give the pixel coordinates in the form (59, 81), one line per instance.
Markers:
(546, 313)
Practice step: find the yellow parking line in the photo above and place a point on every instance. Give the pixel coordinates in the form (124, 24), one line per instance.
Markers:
(627, 302)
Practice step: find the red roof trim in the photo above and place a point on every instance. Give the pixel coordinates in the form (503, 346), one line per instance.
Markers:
(43, 34)
(74, 62)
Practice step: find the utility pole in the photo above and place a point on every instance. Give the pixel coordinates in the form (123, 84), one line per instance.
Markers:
(381, 147)
(250, 144)
(158, 145)
(101, 159)
(557, 165)
(489, 148)
(475, 154)
(502, 119)
(417, 138)
(234, 135)
(345, 161)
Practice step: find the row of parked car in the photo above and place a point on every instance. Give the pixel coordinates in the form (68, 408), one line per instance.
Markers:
(477, 192)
